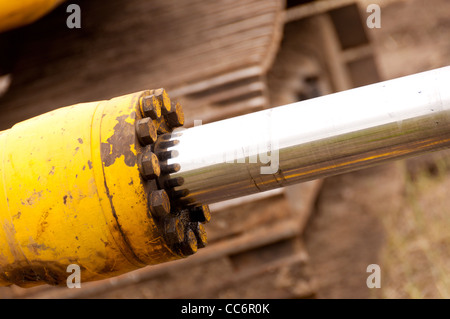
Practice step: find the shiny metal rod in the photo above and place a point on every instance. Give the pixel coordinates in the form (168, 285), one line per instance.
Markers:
(316, 138)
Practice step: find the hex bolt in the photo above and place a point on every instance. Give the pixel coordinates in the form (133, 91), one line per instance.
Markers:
(159, 204)
(174, 231)
(162, 139)
(200, 214)
(200, 235)
(146, 131)
(180, 193)
(170, 168)
(151, 107)
(161, 126)
(165, 155)
(148, 164)
(175, 118)
(174, 182)
(167, 144)
(190, 245)
(163, 99)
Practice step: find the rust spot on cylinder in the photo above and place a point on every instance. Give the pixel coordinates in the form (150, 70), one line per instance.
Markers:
(33, 198)
(120, 143)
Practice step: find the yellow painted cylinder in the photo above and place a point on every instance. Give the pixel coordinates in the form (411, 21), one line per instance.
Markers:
(71, 192)
(17, 13)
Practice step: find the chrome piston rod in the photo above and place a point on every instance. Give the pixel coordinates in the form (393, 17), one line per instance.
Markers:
(313, 139)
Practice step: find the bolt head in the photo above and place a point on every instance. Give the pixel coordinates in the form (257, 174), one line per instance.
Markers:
(151, 107)
(146, 131)
(148, 164)
(200, 235)
(175, 118)
(189, 246)
(200, 214)
(159, 203)
(164, 100)
(174, 231)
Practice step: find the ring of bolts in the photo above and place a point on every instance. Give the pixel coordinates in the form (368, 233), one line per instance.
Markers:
(182, 228)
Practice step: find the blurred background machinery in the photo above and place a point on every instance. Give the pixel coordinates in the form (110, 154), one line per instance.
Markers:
(314, 239)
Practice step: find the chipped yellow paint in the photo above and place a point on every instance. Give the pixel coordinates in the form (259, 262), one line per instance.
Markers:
(17, 13)
(71, 193)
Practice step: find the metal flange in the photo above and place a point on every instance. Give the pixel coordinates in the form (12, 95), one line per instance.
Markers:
(181, 227)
